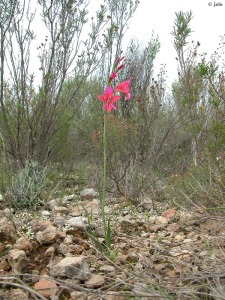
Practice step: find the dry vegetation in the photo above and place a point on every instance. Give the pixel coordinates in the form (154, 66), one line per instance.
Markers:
(167, 147)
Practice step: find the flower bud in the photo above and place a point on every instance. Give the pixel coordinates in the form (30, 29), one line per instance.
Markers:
(119, 67)
(118, 60)
(112, 76)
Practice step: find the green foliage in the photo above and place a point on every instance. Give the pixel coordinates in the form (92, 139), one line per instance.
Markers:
(181, 29)
(27, 185)
(5, 174)
(200, 186)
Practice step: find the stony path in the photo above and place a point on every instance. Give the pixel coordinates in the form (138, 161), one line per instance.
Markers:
(158, 252)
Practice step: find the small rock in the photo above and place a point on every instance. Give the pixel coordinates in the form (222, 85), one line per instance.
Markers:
(179, 238)
(17, 294)
(99, 231)
(46, 288)
(23, 244)
(76, 295)
(203, 253)
(80, 222)
(50, 251)
(109, 209)
(127, 224)
(187, 241)
(95, 281)
(51, 204)
(60, 210)
(185, 218)
(68, 240)
(173, 227)
(93, 208)
(69, 197)
(169, 214)
(17, 260)
(176, 251)
(7, 230)
(45, 213)
(107, 268)
(48, 236)
(76, 211)
(64, 249)
(88, 193)
(147, 205)
(4, 266)
(59, 221)
(1, 197)
(155, 228)
(39, 225)
(72, 267)
(160, 220)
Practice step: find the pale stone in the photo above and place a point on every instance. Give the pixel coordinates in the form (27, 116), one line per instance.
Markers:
(147, 205)
(17, 260)
(60, 210)
(77, 295)
(50, 251)
(68, 240)
(72, 267)
(179, 238)
(88, 193)
(160, 220)
(48, 236)
(80, 222)
(95, 281)
(155, 228)
(59, 221)
(45, 213)
(69, 197)
(107, 268)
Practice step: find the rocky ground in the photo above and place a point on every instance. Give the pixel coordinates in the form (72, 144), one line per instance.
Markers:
(158, 252)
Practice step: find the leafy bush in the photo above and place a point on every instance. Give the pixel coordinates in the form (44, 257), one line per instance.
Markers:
(202, 186)
(26, 186)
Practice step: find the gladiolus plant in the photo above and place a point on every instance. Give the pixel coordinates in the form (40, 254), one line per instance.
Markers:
(109, 98)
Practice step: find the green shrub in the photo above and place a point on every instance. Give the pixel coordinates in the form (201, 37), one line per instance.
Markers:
(202, 186)
(27, 185)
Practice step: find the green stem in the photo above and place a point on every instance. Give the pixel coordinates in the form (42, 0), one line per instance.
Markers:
(104, 173)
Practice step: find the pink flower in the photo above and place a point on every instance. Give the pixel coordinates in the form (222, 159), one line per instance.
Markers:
(108, 99)
(112, 76)
(124, 88)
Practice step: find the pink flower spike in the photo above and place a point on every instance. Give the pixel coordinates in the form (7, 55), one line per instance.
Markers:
(123, 88)
(112, 76)
(108, 99)
(120, 67)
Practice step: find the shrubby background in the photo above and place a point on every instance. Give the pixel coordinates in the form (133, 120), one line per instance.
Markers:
(166, 142)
